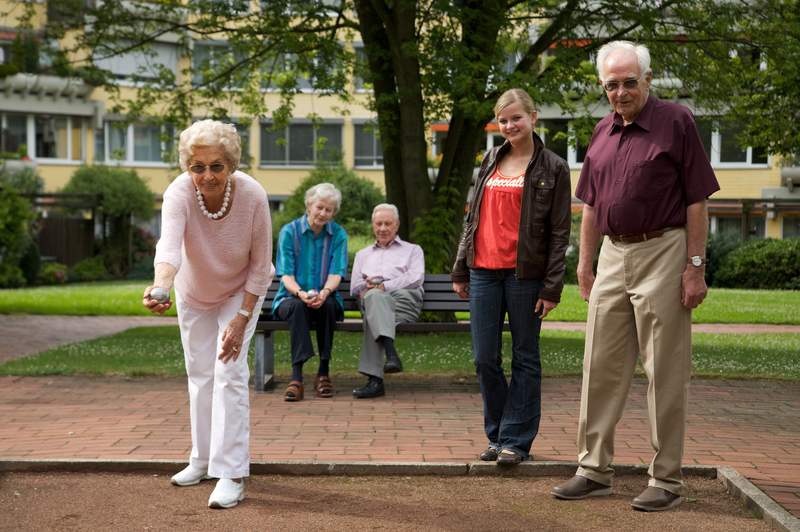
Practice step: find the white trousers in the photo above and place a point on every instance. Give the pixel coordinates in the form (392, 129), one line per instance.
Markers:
(219, 401)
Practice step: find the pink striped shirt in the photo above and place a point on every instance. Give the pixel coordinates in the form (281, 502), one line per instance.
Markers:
(216, 259)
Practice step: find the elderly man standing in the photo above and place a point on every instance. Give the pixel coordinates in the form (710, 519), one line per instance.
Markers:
(387, 277)
(644, 182)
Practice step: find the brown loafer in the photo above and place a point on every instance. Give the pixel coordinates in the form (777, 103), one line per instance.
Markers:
(654, 499)
(294, 392)
(579, 487)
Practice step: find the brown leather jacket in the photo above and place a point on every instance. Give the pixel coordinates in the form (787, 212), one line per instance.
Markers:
(544, 223)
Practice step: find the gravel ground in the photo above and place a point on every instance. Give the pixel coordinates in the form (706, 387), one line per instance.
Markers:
(63, 501)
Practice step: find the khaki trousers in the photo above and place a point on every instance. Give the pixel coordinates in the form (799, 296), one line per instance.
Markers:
(635, 310)
(382, 312)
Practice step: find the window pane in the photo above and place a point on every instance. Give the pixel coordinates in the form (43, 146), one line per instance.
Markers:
(99, 145)
(329, 147)
(51, 137)
(244, 136)
(729, 225)
(759, 156)
(14, 134)
(791, 226)
(439, 138)
(117, 140)
(368, 146)
(146, 143)
(705, 128)
(730, 152)
(273, 147)
(301, 144)
(361, 69)
(554, 134)
(77, 139)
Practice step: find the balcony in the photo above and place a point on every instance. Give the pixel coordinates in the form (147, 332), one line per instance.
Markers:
(41, 86)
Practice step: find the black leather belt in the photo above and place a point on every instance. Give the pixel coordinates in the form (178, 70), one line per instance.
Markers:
(639, 237)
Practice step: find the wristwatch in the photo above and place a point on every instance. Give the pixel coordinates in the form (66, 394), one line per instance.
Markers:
(697, 261)
(245, 313)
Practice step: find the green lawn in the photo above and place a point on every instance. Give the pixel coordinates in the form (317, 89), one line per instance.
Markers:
(157, 351)
(124, 299)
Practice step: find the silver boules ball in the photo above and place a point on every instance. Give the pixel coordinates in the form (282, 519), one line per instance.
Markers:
(160, 295)
(312, 293)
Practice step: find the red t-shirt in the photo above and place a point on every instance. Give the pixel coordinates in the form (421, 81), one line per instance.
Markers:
(498, 227)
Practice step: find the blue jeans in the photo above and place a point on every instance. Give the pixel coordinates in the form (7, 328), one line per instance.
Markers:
(511, 410)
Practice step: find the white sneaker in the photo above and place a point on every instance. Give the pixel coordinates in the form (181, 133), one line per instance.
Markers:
(190, 476)
(227, 494)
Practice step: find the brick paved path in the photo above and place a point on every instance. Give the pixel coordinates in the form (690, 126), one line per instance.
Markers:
(753, 426)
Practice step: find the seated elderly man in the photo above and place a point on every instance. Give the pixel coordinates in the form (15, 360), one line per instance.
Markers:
(387, 277)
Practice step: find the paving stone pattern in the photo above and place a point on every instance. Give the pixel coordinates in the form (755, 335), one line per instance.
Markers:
(753, 426)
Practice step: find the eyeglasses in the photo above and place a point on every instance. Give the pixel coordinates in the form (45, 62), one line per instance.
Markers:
(200, 169)
(628, 84)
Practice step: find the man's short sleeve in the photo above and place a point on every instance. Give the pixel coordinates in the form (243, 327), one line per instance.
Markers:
(699, 181)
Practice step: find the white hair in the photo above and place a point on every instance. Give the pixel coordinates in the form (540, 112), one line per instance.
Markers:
(640, 50)
(324, 191)
(212, 133)
(386, 207)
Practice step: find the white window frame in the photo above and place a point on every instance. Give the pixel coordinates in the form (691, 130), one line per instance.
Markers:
(375, 143)
(31, 140)
(310, 164)
(129, 149)
(124, 80)
(716, 152)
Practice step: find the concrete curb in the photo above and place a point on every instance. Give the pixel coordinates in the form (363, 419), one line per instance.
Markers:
(755, 500)
(736, 484)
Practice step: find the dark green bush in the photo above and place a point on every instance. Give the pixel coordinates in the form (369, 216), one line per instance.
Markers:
(31, 262)
(123, 195)
(359, 196)
(763, 263)
(718, 247)
(53, 273)
(25, 181)
(89, 269)
(16, 215)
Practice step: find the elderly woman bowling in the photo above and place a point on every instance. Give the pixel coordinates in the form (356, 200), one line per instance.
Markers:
(216, 248)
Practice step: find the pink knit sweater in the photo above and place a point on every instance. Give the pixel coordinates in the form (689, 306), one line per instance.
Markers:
(216, 259)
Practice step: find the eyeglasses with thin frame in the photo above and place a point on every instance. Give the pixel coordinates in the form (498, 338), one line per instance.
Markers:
(628, 85)
(200, 169)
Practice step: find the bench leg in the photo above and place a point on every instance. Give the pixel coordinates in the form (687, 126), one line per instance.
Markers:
(265, 361)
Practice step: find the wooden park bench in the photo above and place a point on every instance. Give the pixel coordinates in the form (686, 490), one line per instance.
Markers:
(438, 296)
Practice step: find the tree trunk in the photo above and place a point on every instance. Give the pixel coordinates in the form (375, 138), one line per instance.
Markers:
(389, 38)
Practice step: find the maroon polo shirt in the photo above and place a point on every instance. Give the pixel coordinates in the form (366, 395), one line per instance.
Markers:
(641, 177)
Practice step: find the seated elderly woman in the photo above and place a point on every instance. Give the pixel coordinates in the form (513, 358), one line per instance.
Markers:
(387, 277)
(312, 259)
(216, 246)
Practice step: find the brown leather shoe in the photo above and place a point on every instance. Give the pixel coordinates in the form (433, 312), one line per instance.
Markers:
(655, 499)
(579, 487)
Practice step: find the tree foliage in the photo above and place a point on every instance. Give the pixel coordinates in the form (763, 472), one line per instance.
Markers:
(428, 60)
(359, 196)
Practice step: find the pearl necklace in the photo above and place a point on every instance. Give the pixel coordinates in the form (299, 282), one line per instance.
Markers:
(225, 201)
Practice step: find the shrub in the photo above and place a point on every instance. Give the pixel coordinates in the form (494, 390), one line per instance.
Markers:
(123, 195)
(718, 247)
(25, 180)
(53, 273)
(359, 196)
(763, 263)
(31, 262)
(90, 269)
(16, 215)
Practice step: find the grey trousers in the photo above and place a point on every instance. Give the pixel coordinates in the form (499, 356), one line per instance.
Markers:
(382, 312)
